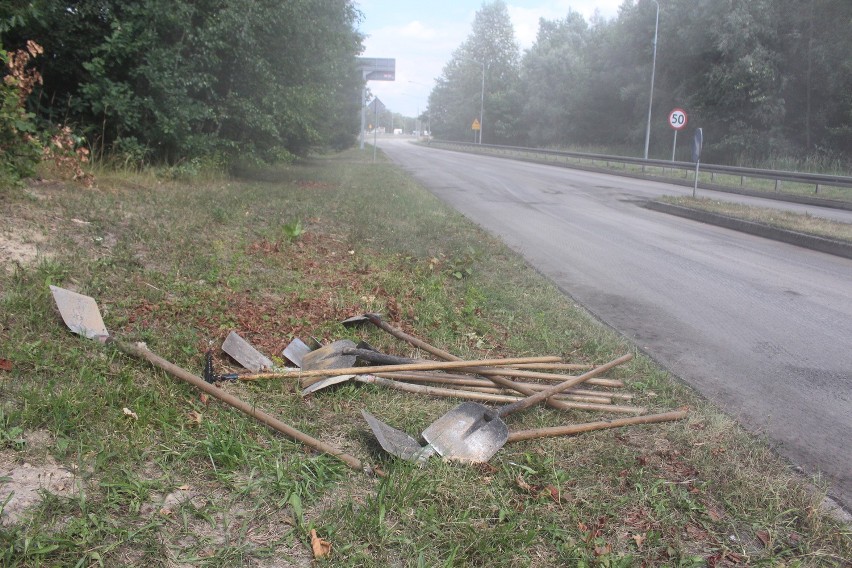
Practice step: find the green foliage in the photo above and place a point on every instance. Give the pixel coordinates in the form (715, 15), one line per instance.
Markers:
(167, 81)
(19, 147)
(293, 230)
(456, 101)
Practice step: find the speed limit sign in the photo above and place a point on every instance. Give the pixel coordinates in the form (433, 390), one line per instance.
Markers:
(677, 119)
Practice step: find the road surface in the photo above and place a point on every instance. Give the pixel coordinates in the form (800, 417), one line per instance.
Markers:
(761, 328)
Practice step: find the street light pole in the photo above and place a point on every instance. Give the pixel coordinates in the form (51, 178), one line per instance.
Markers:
(653, 69)
(481, 101)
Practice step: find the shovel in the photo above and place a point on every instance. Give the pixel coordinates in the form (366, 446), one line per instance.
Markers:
(473, 432)
(82, 316)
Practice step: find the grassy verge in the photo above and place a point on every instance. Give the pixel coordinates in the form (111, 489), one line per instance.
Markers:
(801, 223)
(289, 252)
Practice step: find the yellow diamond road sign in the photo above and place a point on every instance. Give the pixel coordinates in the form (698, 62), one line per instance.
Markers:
(475, 125)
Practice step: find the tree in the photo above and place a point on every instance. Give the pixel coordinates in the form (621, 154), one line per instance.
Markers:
(554, 74)
(459, 95)
(175, 79)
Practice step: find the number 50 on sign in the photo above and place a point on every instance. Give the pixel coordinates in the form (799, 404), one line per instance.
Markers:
(677, 119)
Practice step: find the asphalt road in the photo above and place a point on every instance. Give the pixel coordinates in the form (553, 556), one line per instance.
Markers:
(761, 328)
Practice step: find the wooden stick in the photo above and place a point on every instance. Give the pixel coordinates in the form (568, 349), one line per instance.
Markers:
(140, 350)
(521, 374)
(465, 380)
(465, 394)
(476, 385)
(447, 356)
(555, 366)
(590, 426)
(436, 366)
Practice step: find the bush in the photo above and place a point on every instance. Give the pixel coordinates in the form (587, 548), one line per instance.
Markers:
(20, 150)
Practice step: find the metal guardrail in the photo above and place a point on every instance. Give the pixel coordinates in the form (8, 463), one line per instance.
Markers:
(778, 176)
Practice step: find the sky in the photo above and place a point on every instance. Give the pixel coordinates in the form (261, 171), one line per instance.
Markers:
(422, 35)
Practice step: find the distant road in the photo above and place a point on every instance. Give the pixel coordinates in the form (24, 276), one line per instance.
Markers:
(762, 328)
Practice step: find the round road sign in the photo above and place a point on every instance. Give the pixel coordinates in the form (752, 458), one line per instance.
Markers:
(677, 119)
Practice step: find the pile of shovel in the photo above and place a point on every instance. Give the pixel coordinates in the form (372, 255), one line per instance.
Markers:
(470, 432)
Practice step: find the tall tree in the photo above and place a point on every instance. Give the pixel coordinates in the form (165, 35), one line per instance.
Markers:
(459, 96)
(554, 74)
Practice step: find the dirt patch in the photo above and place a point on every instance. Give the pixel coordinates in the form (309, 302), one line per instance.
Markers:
(21, 485)
(20, 246)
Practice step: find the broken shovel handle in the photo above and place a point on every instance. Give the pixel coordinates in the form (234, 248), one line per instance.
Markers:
(141, 351)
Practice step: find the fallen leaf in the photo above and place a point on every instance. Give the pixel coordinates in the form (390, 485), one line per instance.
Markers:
(184, 487)
(554, 493)
(734, 557)
(5, 364)
(715, 514)
(523, 484)
(764, 538)
(129, 413)
(166, 512)
(639, 539)
(204, 398)
(697, 533)
(602, 550)
(320, 546)
(194, 417)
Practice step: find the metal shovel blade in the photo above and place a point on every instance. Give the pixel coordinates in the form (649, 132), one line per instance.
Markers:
(80, 313)
(396, 442)
(330, 357)
(326, 383)
(295, 351)
(245, 354)
(470, 432)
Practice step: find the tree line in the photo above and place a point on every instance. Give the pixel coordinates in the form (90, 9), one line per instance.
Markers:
(169, 80)
(765, 79)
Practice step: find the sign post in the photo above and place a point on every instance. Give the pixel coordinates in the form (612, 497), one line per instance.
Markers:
(697, 144)
(377, 107)
(677, 120)
(477, 128)
(373, 69)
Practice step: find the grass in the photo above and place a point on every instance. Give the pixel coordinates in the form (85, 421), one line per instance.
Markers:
(801, 223)
(288, 252)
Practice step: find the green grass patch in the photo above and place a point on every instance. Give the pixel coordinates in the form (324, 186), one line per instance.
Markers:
(798, 222)
(288, 252)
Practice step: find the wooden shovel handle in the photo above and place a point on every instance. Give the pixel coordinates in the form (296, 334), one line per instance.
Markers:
(590, 426)
(310, 377)
(376, 320)
(542, 395)
(140, 350)
(471, 395)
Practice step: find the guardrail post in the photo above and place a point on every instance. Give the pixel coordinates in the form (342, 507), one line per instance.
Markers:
(817, 189)
(777, 185)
